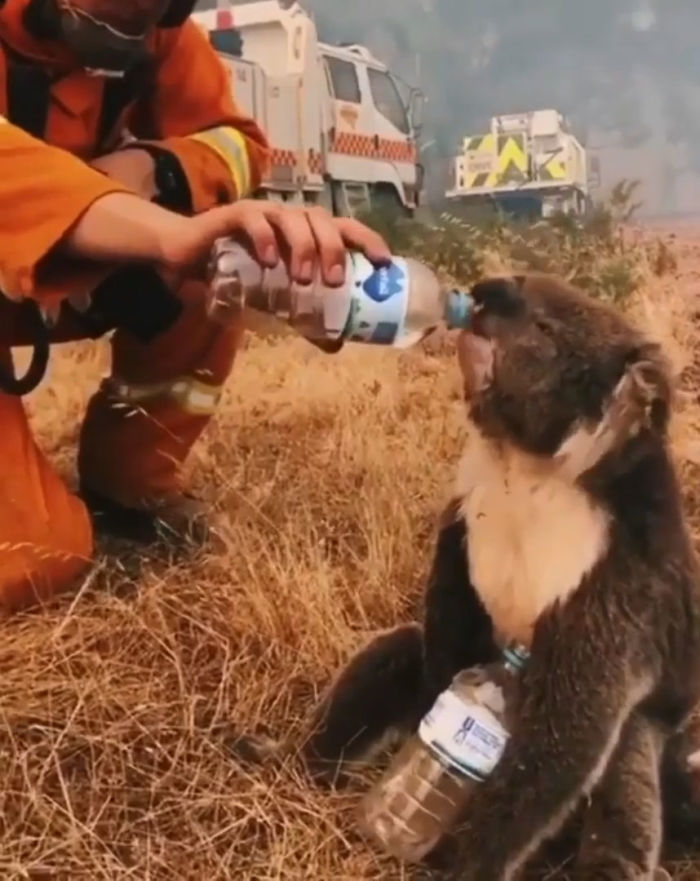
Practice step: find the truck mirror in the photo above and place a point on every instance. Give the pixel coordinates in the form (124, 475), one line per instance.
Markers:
(416, 109)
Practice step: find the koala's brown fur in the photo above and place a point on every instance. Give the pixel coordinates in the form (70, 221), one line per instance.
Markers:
(566, 532)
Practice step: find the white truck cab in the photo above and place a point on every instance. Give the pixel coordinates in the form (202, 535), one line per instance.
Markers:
(343, 130)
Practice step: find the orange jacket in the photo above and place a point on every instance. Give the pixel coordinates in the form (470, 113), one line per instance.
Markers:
(45, 185)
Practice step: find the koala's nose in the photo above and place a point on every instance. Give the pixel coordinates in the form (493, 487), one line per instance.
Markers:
(475, 355)
(480, 324)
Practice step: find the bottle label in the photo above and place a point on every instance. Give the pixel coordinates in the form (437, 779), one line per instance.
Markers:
(379, 301)
(466, 735)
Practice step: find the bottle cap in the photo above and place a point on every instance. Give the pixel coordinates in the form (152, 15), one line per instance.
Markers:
(516, 654)
(458, 308)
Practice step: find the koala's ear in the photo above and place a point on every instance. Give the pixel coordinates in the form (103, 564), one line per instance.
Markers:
(640, 400)
(646, 389)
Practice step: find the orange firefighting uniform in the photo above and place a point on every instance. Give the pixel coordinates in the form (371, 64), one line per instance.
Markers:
(172, 382)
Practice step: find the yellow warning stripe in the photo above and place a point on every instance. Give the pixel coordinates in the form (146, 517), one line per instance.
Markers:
(512, 158)
(552, 169)
(480, 159)
(479, 143)
(491, 161)
(229, 144)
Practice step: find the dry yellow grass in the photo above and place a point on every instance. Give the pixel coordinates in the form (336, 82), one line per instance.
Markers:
(115, 705)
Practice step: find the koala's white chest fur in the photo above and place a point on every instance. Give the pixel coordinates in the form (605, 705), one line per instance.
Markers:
(532, 534)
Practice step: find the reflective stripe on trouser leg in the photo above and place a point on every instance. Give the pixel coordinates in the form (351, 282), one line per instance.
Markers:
(229, 144)
(142, 423)
(191, 395)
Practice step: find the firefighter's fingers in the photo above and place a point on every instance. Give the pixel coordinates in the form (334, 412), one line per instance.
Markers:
(256, 221)
(250, 220)
(297, 241)
(360, 237)
(329, 245)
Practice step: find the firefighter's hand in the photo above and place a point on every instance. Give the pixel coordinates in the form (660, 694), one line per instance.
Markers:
(305, 238)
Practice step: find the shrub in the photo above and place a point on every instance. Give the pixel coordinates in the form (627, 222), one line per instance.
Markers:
(590, 251)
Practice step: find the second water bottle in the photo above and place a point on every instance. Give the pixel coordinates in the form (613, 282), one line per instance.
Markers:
(459, 742)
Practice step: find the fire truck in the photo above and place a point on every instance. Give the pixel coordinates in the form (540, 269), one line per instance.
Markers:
(527, 163)
(343, 129)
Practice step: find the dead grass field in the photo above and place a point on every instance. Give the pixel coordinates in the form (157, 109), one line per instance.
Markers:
(116, 704)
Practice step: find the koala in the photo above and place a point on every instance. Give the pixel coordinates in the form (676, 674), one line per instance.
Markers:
(564, 532)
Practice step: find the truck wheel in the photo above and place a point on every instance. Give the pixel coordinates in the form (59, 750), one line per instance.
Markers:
(583, 205)
(337, 199)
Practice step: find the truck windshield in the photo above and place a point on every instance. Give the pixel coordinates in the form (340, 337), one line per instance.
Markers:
(387, 99)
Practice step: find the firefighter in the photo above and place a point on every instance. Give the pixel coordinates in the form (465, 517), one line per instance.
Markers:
(99, 234)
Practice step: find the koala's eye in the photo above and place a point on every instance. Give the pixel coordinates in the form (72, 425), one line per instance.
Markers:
(543, 325)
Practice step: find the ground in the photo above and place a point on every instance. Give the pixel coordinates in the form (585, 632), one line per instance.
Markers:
(117, 705)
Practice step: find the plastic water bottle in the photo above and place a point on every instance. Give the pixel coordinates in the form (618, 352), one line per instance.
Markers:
(459, 742)
(393, 305)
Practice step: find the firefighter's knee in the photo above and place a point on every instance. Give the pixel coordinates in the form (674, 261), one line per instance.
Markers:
(142, 423)
(45, 530)
(47, 560)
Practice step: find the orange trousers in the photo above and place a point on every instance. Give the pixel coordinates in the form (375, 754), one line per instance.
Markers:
(139, 427)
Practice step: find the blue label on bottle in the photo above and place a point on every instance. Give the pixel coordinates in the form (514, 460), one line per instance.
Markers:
(385, 282)
(384, 332)
(379, 302)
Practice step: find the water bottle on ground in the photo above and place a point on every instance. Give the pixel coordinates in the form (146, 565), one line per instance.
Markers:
(393, 305)
(459, 742)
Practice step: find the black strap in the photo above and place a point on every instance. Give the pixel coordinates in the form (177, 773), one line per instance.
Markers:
(28, 97)
(9, 383)
(118, 93)
(177, 13)
(133, 298)
(172, 186)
